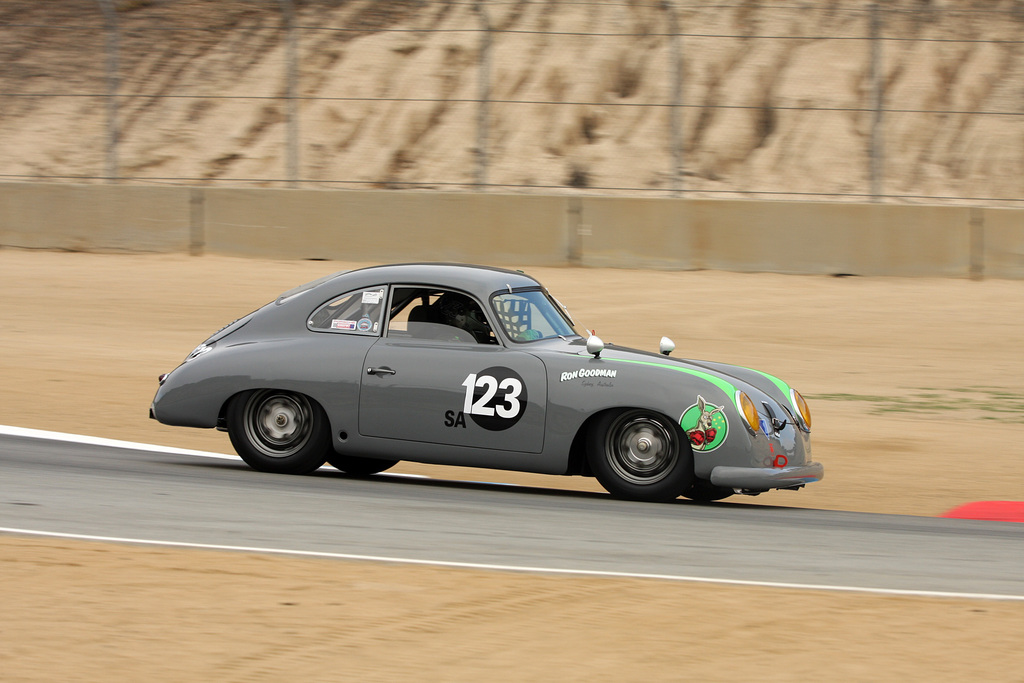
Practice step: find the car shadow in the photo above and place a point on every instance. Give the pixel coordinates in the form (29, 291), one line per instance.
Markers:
(396, 480)
(524, 489)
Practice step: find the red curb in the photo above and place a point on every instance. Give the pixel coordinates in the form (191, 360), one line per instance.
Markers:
(991, 510)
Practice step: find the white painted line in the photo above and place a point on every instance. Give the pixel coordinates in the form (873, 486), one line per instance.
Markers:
(150, 448)
(109, 443)
(520, 569)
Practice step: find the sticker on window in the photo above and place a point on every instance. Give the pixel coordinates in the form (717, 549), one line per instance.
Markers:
(343, 324)
(373, 297)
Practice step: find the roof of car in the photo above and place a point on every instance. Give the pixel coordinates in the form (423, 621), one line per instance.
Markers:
(472, 278)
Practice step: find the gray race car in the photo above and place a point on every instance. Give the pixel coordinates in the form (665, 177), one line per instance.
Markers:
(476, 366)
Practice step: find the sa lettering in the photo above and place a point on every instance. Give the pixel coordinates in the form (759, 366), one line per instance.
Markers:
(454, 419)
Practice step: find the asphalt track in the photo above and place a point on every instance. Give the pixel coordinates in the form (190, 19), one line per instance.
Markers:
(176, 497)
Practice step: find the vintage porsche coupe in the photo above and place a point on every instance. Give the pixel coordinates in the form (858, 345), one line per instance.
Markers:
(476, 366)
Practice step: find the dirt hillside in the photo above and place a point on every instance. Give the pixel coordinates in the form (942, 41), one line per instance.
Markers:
(775, 98)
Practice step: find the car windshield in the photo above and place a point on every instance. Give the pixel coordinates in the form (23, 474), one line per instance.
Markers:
(531, 315)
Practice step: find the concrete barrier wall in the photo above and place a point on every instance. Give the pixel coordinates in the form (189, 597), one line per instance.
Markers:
(386, 226)
(519, 230)
(784, 237)
(94, 217)
(1002, 243)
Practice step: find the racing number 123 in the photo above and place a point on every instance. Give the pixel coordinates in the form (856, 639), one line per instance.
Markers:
(508, 409)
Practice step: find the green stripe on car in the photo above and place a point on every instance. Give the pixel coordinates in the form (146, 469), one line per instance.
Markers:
(728, 389)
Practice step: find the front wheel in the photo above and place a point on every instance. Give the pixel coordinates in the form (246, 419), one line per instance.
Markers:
(640, 455)
(279, 431)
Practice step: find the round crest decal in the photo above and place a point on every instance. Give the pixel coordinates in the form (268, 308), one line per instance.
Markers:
(705, 425)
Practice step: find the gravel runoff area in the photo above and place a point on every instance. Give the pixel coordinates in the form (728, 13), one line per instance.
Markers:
(918, 400)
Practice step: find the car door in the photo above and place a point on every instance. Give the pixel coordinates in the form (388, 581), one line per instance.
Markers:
(455, 393)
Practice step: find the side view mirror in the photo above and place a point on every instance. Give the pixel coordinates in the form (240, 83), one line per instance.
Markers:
(666, 346)
(595, 346)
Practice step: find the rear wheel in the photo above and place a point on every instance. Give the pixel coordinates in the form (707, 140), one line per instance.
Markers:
(279, 431)
(351, 464)
(640, 455)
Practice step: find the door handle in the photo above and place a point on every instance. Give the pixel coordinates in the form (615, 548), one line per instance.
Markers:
(382, 370)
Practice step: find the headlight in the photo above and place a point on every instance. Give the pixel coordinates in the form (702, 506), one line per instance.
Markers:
(802, 408)
(747, 411)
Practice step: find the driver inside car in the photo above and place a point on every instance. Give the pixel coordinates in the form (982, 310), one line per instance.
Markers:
(458, 310)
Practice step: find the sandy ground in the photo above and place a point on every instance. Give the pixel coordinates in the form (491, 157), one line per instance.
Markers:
(917, 390)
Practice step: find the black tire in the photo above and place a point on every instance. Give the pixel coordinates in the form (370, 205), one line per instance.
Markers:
(640, 455)
(279, 431)
(703, 491)
(360, 467)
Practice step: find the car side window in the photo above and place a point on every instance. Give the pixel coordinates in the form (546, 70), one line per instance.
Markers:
(438, 315)
(358, 312)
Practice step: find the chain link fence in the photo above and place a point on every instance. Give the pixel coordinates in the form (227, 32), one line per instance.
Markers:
(901, 101)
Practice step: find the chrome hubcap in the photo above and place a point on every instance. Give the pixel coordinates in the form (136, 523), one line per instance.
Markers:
(641, 449)
(278, 424)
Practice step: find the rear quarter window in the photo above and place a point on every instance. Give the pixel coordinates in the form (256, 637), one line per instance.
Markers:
(357, 312)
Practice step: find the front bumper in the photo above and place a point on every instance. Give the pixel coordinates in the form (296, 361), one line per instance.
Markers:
(764, 478)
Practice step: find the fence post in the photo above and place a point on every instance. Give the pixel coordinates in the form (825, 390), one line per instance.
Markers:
(976, 223)
(291, 85)
(196, 221)
(112, 170)
(484, 90)
(877, 79)
(676, 110)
